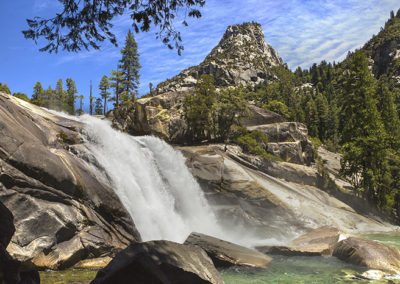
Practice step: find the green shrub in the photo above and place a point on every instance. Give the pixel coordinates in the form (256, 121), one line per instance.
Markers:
(278, 107)
(254, 142)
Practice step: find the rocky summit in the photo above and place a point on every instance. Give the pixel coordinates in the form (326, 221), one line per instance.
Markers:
(242, 57)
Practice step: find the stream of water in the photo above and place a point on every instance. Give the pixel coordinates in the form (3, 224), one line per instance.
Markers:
(282, 270)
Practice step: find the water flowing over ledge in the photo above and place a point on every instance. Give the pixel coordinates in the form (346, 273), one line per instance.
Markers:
(152, 182)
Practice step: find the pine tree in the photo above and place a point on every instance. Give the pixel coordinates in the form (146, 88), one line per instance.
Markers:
(116, 80)
(364, 150)
(91, 99)
(229, 108)
(104, 86)
(323, 115)
(197, 109)
(50, 98)
(388, 111)
(60, 95)
(311, 117)
(130, 66)
(70, 99)
(80, 110)
(37, 96)
(98, 107)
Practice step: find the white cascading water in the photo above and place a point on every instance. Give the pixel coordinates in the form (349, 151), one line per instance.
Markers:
(153, 183)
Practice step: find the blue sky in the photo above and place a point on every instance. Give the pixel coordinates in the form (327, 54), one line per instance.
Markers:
(302, 31)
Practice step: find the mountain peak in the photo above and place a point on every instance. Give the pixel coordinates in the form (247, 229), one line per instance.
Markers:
(245, 37)
(241, 57)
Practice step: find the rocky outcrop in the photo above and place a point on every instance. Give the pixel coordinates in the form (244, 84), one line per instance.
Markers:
(160, 262)
(318, 242)
(241, 57)
(225, 254)
(63, 210)
(242, 192)
(260, 116)
(384, 55)
(288, 140)
(369, 254)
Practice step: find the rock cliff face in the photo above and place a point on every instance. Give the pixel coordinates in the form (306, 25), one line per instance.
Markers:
(241, 57)
(252, 195)
(62, 211)
(384, 50)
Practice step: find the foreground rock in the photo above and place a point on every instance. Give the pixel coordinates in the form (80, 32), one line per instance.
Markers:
(225, 254)
(7, 228)
(160, 262)
(64, 209)
(370, 254)
(11, 270)
(318, 242)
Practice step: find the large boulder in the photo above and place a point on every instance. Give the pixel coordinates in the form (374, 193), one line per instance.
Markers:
(159, 262)
(318, 242)
(367, 253)
(63, 209)
(225, 254)
(260, 116)
(289, 140)
(283, 132)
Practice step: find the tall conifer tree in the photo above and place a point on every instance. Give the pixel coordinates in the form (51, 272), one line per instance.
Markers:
(105, 94)
(130, 66)
(116, 80)
(71, 91)
(37, 96)
(364, 149)
(91, 98)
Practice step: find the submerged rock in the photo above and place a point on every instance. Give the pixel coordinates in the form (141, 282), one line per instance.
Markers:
(371, 254)
(318, 242)
(323, 235)
(159, 262)
(93, 263)
(225, 254)
(373, 274)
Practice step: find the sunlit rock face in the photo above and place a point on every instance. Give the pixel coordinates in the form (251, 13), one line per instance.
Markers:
(274, 200)
(63, 211)
(242, 57)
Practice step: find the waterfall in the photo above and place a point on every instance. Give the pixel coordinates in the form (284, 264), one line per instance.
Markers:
(152, 182)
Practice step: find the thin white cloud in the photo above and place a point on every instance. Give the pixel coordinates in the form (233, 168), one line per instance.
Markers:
(302, 31)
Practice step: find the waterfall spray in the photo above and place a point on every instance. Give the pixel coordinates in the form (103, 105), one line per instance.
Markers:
(152, 182)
